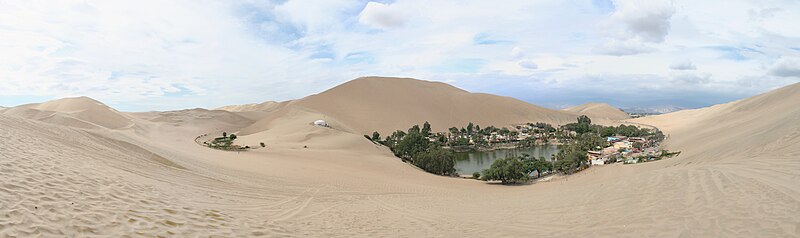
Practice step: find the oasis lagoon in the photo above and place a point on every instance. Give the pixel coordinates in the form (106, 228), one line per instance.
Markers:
(477, 161)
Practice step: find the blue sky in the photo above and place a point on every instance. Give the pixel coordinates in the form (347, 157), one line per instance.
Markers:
(156, 55)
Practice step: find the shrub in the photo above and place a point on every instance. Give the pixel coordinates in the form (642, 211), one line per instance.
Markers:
(476, 175)
(566, 166)
(436, 160)
(508, 170)
(263, 145)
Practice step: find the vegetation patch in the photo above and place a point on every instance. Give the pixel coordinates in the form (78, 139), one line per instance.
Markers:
(583, 144)
(225, 142)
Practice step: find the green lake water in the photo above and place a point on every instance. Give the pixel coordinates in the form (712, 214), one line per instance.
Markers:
(470, 162)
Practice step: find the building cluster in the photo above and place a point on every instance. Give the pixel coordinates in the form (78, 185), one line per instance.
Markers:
(623, 149)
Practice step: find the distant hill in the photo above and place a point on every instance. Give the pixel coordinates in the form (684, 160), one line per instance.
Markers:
(264, 106)
(82, 112)
(599, 111)
(387, 104)
(653, 110)
(761, 125)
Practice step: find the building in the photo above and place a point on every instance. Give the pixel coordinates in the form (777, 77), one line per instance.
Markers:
(596, 157)
(623, 145)
(610, 150)
(321, 123)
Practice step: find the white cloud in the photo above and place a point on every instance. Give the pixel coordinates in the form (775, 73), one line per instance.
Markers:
(691, 78)
(646, 20)
(786, 67)
(144, 53)
(622, 48)
(683, 65)
(528, 64)
(517, 53)
(382, 16)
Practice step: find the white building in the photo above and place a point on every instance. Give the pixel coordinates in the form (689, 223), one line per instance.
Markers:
(320, 123)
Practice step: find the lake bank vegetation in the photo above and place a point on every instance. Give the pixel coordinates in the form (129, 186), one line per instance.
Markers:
(582, 144)
(224, 142)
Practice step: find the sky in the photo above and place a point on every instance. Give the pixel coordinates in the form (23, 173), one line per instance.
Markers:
(166, 55)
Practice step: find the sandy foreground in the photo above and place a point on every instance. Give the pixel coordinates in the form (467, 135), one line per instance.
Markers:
(143, 174)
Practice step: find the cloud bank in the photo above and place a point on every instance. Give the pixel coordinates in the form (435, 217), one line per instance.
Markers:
(154, 55)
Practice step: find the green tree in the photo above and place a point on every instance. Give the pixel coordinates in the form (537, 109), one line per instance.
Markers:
(453, 131)
(436, 160)
(414, 129)
(565, 166)
(376, 136)
(508, 170)
(426, 129)
(470, 126)
(232, 136)
(461, 141)
(583, 119)
(224, 134)
(532, 164)
(411, 144)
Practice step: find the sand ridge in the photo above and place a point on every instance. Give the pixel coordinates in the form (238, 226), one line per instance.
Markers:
(599, 111)
(264, 106)
(82, 112)
(386, 104)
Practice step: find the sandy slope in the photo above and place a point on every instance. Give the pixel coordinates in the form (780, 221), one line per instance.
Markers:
(387, 104)
(737, 176)
(264, 106)
(599, 111)
(82, 112)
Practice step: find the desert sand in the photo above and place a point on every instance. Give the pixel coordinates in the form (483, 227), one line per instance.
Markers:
(599, 111)
(101, 172)
(250, 107)
(386, 104)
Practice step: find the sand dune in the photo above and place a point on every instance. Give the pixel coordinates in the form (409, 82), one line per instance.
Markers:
(264, 106)
(599, 111)
(387, 104)
(737, 175)
(763, 125)
(82, 112)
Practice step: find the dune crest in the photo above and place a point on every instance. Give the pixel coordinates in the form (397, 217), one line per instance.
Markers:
(81, 112)
(599, 111)
(766, 124)
(386, 104)
(264, 106)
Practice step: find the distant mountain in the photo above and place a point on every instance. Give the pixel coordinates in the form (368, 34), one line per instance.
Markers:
(653, 110)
